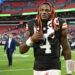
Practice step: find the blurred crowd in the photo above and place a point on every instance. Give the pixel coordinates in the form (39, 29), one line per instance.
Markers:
(71, 38)
(20, 35)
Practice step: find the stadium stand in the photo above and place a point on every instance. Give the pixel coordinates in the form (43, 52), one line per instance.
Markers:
(5, 28)
(72, 1)
(14, 7)
(12, 24)
(70, 6)
(60, 1)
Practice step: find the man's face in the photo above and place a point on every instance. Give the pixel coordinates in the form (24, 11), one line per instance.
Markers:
(10, 36)
(45, 12)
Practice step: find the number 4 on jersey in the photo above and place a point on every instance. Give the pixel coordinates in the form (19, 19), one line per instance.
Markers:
(47, 46)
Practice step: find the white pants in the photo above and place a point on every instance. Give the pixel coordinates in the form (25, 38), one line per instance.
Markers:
(48, 72)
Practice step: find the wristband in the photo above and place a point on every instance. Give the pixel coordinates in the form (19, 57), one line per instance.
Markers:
(67, 66)
(29, 42)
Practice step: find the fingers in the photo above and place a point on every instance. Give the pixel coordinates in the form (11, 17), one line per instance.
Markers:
(37, 36)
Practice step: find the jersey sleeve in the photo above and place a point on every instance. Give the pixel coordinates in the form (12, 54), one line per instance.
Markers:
(60, 23)
(63, 23)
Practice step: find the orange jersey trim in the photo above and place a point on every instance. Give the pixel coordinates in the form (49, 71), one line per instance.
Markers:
(64, 26)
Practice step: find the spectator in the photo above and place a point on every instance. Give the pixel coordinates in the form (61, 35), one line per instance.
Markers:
(10, 47)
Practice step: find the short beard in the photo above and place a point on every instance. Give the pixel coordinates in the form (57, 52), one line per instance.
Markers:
(44, 20)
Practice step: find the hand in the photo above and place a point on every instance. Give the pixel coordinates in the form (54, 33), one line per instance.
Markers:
(38, 36)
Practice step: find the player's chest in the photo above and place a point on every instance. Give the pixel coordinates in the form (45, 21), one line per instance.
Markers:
(46, 29)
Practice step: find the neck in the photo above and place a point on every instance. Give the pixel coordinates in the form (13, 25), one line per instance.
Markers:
(44, 22)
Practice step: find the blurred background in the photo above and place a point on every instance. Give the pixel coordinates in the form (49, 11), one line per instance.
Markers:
(14, 14)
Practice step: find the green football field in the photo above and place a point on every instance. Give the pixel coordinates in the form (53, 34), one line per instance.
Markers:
(23, 63)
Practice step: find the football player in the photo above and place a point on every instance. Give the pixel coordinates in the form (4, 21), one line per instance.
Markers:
(45, 34)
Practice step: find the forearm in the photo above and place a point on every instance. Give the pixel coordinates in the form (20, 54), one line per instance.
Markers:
(66, 51)
(67, 57)
(29, 40)
(24, 47)
(67, 54)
